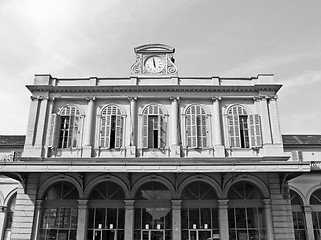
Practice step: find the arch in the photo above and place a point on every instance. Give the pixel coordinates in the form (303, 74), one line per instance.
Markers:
(304, 200)
(9, 196)
(102, 107)
(80, 109)
(156, 178)
(203, 178)
(2, 198)
(104, 178)
(165, 112)
(248, 112)
(309, 193)
(206, 109)
(249, 178)
(44, 186)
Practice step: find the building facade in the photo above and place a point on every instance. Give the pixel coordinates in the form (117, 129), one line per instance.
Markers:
(153, 156)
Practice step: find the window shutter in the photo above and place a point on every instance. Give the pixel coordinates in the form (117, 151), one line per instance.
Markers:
(193, 128)
(119, 132)
(234, 130)
(107, 131)
(145, 131)
(255, 130)
(161, 132)
(53, 131)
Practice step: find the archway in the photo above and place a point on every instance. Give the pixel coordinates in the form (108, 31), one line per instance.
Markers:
(199, 219)
(153, 212)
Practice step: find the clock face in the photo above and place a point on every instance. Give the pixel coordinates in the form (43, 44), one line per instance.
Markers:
(154, 64)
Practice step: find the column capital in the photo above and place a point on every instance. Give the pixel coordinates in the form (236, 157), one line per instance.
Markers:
(129, 204)
(38, 98)
(307, 208)
(176, 204)
(82, 203)
(273, 97)
(222, 203)
(52, 99)
(174, 99)
(3, 209)
(267, 203)
(132, 99)
(216, 99)
(260, 97)
(90, 99)
(39, 203)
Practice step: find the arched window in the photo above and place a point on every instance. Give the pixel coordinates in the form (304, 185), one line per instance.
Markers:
(60, 213)
(196, 129)
(199, 215)
(245, 213)
(106, 218)
(154, 127)
(9, 216)
(244, 129)
(298, 216)
(315, 202)
(111, 128)
(65, 128)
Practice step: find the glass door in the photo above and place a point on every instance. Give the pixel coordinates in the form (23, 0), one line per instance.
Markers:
(200, 235)
(153, 234)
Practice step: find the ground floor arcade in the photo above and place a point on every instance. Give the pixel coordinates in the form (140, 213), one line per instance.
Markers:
(147, 206)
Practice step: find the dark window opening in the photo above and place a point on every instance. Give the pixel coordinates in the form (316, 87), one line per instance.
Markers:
(244, 132)
(64, 132)
(113, 132)
(152, 131)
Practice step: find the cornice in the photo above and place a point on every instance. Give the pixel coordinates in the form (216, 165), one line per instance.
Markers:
(157, 88)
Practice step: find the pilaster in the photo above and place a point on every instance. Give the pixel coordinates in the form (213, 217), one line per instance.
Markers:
(175, 148)
(3, 217)
(176, 218)
(37, 220)
(218, 138)
(82, 220)
(129, 219)
(275, 124)
(309, 222)
(223, 218)
(268, 219)
(89, 127)
(131, 149)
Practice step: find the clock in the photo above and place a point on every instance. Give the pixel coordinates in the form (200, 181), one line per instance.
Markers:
(154, 64)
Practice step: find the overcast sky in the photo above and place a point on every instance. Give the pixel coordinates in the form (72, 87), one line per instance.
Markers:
(82, 38)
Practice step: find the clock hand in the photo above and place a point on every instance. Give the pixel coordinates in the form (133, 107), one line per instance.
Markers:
(154, 62)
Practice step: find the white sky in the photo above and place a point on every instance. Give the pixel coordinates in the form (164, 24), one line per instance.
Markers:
(82, 38)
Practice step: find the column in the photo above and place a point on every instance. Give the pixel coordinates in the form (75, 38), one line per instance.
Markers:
(82, 223)
(50, 107)
(218, 142)
(274, 119)
(223, 218)
(262, 109)
(268, 219)
(89, 127)
(37, 220)
(129, 219)
(309, 223)
(3, 213)
(175, 148)
(132, 128)
(176, 219)
(31, 128)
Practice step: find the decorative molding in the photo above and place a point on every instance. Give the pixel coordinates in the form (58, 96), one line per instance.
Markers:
(132, 99)
(216, 99)
(136, 68)
(174, 99)
(90, 98)
(38, 98)
(171, 67)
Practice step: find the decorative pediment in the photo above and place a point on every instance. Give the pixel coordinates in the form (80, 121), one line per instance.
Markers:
(154, 60)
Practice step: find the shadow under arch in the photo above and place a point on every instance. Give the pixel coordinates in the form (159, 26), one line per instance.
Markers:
(150, 178)
(58, 178)
(248, 178)
(303, 199)
(310, 192)
(104, 178)
(9, 196)
(202, 178)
